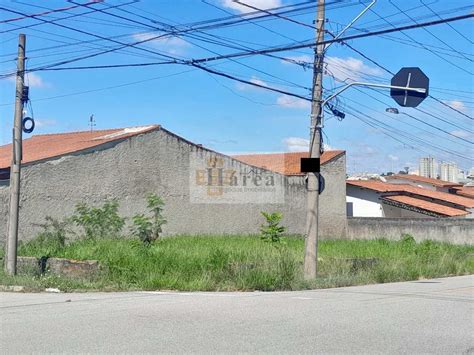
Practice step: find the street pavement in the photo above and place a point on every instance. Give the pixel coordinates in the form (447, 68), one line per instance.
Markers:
(427, 316)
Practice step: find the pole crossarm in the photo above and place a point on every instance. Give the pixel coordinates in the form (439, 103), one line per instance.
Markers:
(383, 86)
(351, 23)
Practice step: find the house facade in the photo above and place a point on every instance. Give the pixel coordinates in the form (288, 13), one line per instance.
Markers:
(205, 192)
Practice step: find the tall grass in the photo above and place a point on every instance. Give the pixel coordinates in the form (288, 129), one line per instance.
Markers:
(221, 263)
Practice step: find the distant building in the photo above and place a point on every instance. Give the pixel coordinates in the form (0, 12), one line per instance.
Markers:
(381, 199)
(471, 173)
(449, 171)
(428, 167)
(424, 182)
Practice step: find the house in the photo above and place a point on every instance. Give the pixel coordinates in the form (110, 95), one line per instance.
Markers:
(374, 198)
(466, 191)
(204, 191)
(423, 182)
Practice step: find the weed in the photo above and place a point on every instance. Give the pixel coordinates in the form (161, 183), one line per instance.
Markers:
(245, 263)
(272, 231)
(99, 223)
(148, 229)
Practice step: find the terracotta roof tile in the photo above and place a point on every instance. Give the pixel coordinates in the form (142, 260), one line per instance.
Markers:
(381, 186)
(377, 185)
(417, 178)
(427, 206)
(467, 191)
(40, 147)
(284, 163)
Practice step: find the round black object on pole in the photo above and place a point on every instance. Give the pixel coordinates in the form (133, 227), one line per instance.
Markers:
(28, 125)
(411, 77)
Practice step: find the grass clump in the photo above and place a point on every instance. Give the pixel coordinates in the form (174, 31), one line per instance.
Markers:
(227, 263)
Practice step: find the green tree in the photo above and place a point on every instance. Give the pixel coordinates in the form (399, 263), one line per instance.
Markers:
(99, 222)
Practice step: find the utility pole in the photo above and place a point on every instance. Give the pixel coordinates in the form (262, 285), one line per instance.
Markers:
(311, 240)
(20, 97)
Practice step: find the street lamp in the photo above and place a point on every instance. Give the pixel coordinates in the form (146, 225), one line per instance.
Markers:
(392, 110)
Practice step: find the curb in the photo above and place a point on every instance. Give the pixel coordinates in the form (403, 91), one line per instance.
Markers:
(24, 289)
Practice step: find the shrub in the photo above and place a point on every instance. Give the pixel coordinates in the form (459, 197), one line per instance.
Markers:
(272, 231)
(99, 223)
(51, 239)
(407, 242)
(146, 228)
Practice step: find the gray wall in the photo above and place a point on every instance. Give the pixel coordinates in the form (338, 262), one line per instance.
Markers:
(159, 162)
(452, 230)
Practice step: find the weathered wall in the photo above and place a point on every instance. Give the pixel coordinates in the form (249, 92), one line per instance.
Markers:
(4, 199)
(452, 230)
(159, 162)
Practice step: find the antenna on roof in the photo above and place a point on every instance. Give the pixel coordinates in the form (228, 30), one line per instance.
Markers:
(92, 122)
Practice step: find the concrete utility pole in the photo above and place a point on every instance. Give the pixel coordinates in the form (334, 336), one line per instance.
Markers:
(311, 240)
(20, 97)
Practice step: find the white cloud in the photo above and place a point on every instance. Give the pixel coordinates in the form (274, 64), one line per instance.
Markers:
(349, 68)
(170, 44)
(292, 102)
(458, 105)
(296, 144)
(260, 4)
(41, 123)
(393, 157)
(461, 134)
(32, 80)
(255, 80)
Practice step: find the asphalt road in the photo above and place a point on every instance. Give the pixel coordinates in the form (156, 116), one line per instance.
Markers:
(432, 316)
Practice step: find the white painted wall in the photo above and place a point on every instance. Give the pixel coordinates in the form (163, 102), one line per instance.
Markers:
(365, 203)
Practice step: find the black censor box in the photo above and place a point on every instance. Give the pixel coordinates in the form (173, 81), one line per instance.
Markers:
(310, 165)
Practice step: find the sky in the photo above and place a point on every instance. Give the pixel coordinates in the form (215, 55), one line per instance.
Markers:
(233, 117)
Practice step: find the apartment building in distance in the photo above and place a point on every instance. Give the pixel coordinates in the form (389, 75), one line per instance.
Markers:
(449, 172)
(428, 167)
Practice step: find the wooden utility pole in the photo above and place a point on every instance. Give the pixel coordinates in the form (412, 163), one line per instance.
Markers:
(20, 98)
(311, 240)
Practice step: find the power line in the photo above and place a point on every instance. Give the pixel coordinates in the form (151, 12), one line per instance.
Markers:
(429, 32)
(406, 135)
(415, 118)
(43, 13)
(284, 48)
(173, 29)
(421, 44)
(357, 51)
(448, 24)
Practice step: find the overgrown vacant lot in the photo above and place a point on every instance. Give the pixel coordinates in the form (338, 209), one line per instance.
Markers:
(224, 263)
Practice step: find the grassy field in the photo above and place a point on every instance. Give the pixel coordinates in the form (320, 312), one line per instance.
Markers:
(226, 263)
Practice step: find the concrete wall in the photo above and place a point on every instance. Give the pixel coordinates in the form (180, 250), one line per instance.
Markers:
(457, 231)
(160, 162)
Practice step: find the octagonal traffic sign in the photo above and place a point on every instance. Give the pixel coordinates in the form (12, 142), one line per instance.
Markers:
(411, 77)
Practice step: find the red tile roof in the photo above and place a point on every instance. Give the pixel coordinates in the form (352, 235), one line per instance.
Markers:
(40, 147)
(467, 191)
(284, 163)
(427, 206)
(377, 185)
(381, 186)
(427, 180)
